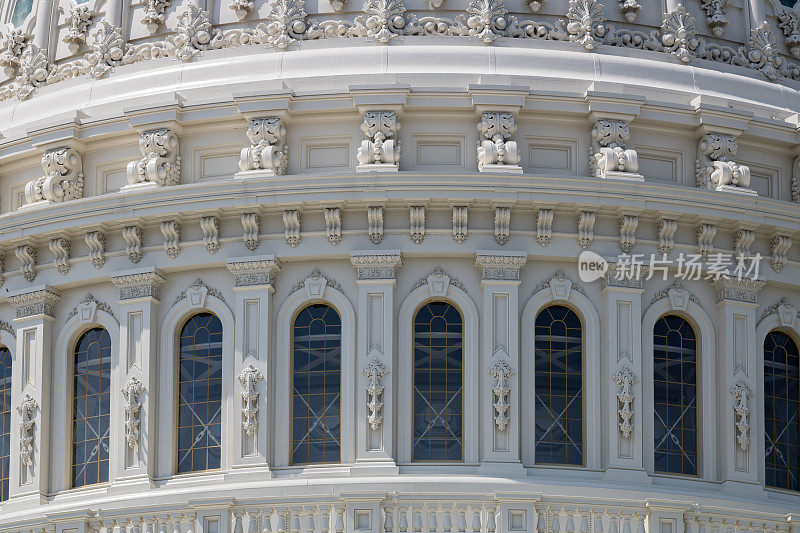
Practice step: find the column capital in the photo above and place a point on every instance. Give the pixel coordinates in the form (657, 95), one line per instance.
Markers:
(138, 283)
(500, 266)
(738, 290)
(376, 264)
(34, 301)
(624, 277)
(253, 271)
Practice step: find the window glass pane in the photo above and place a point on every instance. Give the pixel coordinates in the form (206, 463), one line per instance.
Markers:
(782, 411)
(558, 363)
(675, 396)
(316, 375)
(21, 10)
(5, 420)
(438, 383)
(200, 394)
(90, 416)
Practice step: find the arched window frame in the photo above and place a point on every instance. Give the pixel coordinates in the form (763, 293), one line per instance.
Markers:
(706, 386)
(469, 313)
(787, 323)
(166, 437)
(61, 398)
(294, 303)
(10, 342)
(590, 320)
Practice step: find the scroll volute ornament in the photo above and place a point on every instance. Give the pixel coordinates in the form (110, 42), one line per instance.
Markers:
(266, 152)
(160, 163)
(495, 150)
(62, 180)
(716, 168)
(381, 148)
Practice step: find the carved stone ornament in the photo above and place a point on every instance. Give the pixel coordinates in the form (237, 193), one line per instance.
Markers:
(535, 5)
(26, 254)
(544, 226)
(763, 54)
(741, 394)
(210, 228)
(627, 232)
(96, 241)
(192, 35)
(161, 161)
(586, 221)
(154, 14)
(496, 152)
(666, 235)
(437, 282)
(131, 393)
(291, 223)
(376, 265)
(383, 20)
(27, 410)
(267, 152)
(789, 23)
(678, 34)
(138, 284)
(502, 224)
(253, 271)
(316, 284)
(629, 9)
(500, 266)
(779, 250)
(608, 154)
(78, 21)
(738, 290)
(380, 151)
(486, 20)
(14, 42)
(197, 293)
(585, 23)
(679, 297)
(374, 371)
(715, 166)
(286, 23)
(705, 239)
(38, 302)
(742, 240)
(375, 223)
(251, 225)
(87, 308)
(416, 216)
(786, 312)
(60, 248)
(625, 380)
(62, 180)
(132, 235)
(796, 180)
(249, 378)
(333, 225)
(460, 223)
(171, 230)
(500, 372)
(715, 15)
(106, 50)
(241, 8)
(560, 286)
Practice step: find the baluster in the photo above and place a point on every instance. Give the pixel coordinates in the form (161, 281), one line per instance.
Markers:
(149, 526)
(309, 521)
(569, 523)
(598, 522)
(266, 520)
(584, 523)
(541, 521)
(491, 524)
(325, 519)
(476, 519)
(339, 525)
(640, 524)
(612, 524)
(403, 518)
(252, 521)
(281, 520)
(432, 525)
(447, 524)
(626, 524)
(556, 525)
(238, 514)
(388, 519)
(188, 519)
(462, 520)
(294, 521)
(176, 524)
(417, 520)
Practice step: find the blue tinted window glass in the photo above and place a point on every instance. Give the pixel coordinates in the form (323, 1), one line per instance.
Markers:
(558, 363)
(5, 420)
(21, 10)
(90, 416)
(200, 394)
(675, 396)
(438, 383)
(782, 411)
(316, 385)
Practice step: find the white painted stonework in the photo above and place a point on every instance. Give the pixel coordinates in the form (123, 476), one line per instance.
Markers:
(246, 158)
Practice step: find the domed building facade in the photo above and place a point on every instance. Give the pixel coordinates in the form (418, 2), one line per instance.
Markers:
(238, 296)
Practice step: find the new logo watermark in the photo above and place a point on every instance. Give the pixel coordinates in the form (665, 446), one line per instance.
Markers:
(592, 266)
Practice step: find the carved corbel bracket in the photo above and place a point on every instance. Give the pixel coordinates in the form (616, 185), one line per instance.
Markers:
(380, 151)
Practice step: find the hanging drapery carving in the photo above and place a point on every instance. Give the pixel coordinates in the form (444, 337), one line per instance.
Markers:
(625, 380)
(249, 378)
(500, 373)
(132, 390)
(374, 372)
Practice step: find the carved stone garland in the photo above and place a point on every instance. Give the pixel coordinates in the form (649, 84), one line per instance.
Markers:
(374, 371)
(625, 379)
(267, 152)
(62, 180)
(249, 378)
(715, 167)
(132, 391)
(609, 156)
(496, 152)
(161, 161)
(27, 411)
(380, 152)
(741, 393)
(500, 372)
(78, 21)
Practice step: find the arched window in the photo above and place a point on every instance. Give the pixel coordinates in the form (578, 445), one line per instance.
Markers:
(558, 363)
(438, 383)
(675, 396)
(200, 394)
(91, 400)
(316, 385)
(5, 420)
(22, 9)
(782, 411)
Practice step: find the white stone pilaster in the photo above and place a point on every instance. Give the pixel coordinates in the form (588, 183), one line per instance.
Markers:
(31, 393)
(736, 362)
(375, 358)
(253, 285)
(500, 359)
(621, 371)
(135, 372)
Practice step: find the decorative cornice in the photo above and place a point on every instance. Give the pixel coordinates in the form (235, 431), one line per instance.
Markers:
(253, 271)
(744, 290)
(376, 265)
(500, 266)
(138, 283)
(624, 280)
(40, 301)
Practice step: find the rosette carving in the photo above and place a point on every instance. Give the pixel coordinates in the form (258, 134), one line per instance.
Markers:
(585, 23)
(286, 23)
